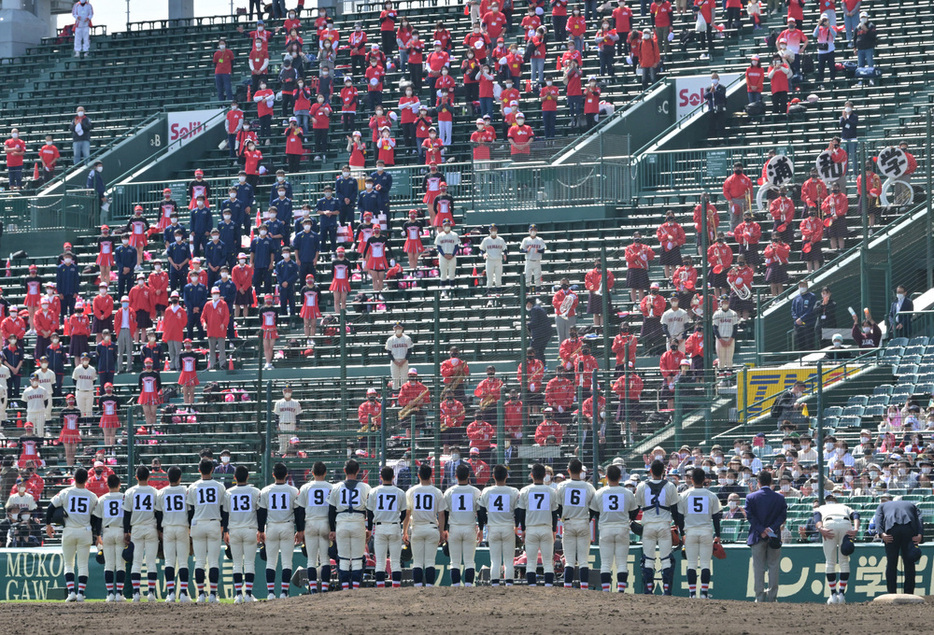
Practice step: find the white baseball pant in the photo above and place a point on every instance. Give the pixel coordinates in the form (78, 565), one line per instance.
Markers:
(447, 267)
(112, 539)
(399, 374)
(424, 540)
(614, 548)
(285, 433)
(82, 39)
(280, 542)
(502, 541)
(657, 535)
(698, 545)
(533, 272)
(85, 399)
(350, 536)
(317, 542)
(387, 537)
(76, 543)
(243, 549)
(145, 539)
(541, 539)
(175, 546)
(206, 540)
(834, 559)
(494, 272)
(576, 541)
(38, 419)
(462, 544)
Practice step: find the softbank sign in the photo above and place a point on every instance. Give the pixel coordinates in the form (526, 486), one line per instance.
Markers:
(185, 126)
(690, 91)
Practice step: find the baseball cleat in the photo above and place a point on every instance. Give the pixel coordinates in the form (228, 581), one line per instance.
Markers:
(119, 598)
(270, 597)
(151, 596)
(283, 596)
(832, 599)
(80, 598)
(238, 599)
(170, 598)
(136, 598)
(110, 597)
(184, 599)
(72, 597)
(841, 599)
(201, 599)
(212, 599)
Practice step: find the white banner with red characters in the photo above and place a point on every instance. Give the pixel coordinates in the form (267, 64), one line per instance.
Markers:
(689, 91)
(184, 126)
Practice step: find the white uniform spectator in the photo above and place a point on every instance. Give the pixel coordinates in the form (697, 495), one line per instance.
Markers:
(83, 13)
(287, 409)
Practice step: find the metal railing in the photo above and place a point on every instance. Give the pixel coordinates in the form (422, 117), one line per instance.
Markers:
(75, 209)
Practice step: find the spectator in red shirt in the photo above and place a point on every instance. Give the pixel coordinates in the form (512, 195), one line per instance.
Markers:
(733, 8)
(779, 76)
(259, 63)
(481, 139)
(436, 60)
(223, 63)
(606, 39)
(622, 16)
(251, 160)
(48, 155)
(591, 103)
(549, 96)
(374, 84)
(537, 58)
(294, 138)
(15, 148)
(559, 19)
(649, 58)
(441, 34)
(416, 48)
(387, 27)
(755, 77)
(320, 113)
(265, 102)
(573, 92)
(662, 16)
(520, 139)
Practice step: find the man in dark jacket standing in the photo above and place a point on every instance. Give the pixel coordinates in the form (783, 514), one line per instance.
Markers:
(900, 313)
(899, 524)
(804, 316)
(715, 96)
(96, 182)
(766, 510)
(540, 327)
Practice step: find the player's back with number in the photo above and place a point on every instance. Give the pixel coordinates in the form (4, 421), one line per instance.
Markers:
(314, 497)
(500, 504)
(574, 498)
(425, 501)
(242, 503)
(206, 498)
(349, 496)
(279, 500)
(538, 501)
(614, 503)
(698, 505)
(79, 504)
(387, 503)
(461, 502)
(110, 510)
(142, 501)
(171, 502)
(657, 498)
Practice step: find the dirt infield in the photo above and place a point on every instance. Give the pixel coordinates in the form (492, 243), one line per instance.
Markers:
(487, 610)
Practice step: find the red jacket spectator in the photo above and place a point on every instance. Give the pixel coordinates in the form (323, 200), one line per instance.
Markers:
(559, 394)
(173, 324)
(480, 434)
(495, 22)
(638, 256)
(652, 306)
(633, 387)
(755, 78)
(118, 320)
(670, 364)
(549, 429)
(479, 42)
(223, 62)
(558, 300)
(141, 299)
(813, 192)
(670, 235)
(215, 317)
(13, 325)
(594, 279)
(619, 347)
(736, 186)
(694, 345)
(587, 407)
(720, 254)
(622, 18)
(776, 253)
(374, 78)
(320, 116)
(536, 373)
(684, 279)
(713, 221)
(649, 55)
(835, 205)
(812, 229)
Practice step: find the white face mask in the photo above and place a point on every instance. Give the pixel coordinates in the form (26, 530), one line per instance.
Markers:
(125, 241)
(224, 275)
(222, 46)
(786, 487)
(286, 256)
(80, 113)
(902, 471)
(67, 261)
(14, 135)
(714, 81)
(262, 232)
(900, 296)
(242, 179)
(369, 186)
(547, 479)
(802, 290)
(307, 228)
(732, 504)
(873, 474)
(216, 297)
(242, 261)
(99, 168)
(848, 110)
(345, 174)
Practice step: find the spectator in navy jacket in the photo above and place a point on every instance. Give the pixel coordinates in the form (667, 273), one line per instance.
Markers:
(899, 314)
(96, 182)
(368, 200)
(346, 192)
(805, 317)
(215, 257)
(229, 229)
(329, 209)
(125, 263)
(247, 198)
(178, 255)
(766, 510)
(280, 182)
(540, 327)
(306, 244)
(201, 224)
(382, 184)
(286, 277)
(195, 296)
(68, 283)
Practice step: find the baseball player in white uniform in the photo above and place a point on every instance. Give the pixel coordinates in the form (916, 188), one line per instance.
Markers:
(288, 410)
(207, 509)
(448, 243)
(110, 510)
(5, 374)
(347, 519)
(277, 517)
(83, 13)
(314, 496)
(615, 508)
(243, 533)
(574, 499)
(399, 346)
(659, 500)
(537, 517)
(499, 504)
(533, 247)
(701, 512)
(423, 527)
(172, 502)
(37, 399)
(47, 381)
(141, 523)
(463, 504)
(386, 507)
(835, 521)
(494, 253)
(81, 530)
(84, 376)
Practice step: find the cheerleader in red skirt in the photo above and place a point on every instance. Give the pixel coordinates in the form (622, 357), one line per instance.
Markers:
(150, 391)
(377, 256)
(188, 377)
(70, 435)
(443, 207)
(138, 229)
(340, 280)
(357, 148)
(311, 307)
(105, 253)
(412, 230)
(109, 405)
(432, 184)
(269, 326)
(364, 231)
